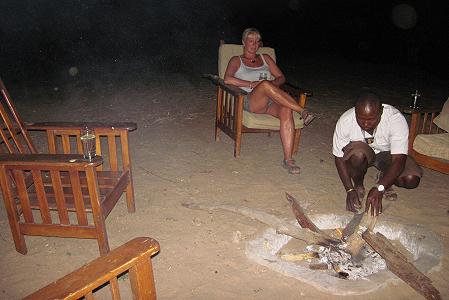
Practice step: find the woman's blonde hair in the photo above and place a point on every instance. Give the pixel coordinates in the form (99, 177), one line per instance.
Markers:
(249, 31)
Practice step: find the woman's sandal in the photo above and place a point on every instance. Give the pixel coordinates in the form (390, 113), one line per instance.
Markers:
(290, 165)
(307, 117)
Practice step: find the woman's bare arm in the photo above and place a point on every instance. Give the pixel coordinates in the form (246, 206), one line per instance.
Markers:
(279, 78)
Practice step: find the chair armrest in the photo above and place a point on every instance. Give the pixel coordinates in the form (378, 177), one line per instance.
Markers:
(235, 91)
(129, 126)
(231, 89)
(421, 110)
(82, 281)
(62, 160)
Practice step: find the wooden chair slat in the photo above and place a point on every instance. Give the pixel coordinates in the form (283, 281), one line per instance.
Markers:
(51, 142)
(98, 150)
(115, 292)
(41, 197)
(78, 198)
(79, 145)
(66, 144)
(59, 197)
(112, 153)
(21, 186)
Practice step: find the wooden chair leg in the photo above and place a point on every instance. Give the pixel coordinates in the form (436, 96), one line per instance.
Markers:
(103, 244)
(217, 133)
(18, 237)
(130, 195)
(218, 113)
(142, 281)
(237, 144)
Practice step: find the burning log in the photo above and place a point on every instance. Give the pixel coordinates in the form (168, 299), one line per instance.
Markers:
(300, 215)
(355, 241)
(398, 264)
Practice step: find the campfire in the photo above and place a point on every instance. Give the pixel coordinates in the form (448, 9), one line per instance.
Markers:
(338, 260)
(333, 252)
(333, 257)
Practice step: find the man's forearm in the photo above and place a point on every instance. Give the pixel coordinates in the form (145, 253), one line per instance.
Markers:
(395, 169)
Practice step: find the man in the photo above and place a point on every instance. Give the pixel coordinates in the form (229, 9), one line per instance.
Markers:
(373, 134)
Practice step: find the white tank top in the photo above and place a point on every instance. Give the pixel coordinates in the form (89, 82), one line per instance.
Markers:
(252, 73)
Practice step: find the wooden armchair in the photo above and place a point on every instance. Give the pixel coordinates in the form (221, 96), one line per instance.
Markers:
(428, 143)
(61, 194)
(134, 257)
(230, 116)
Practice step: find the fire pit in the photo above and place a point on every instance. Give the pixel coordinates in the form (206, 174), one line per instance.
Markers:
(424, 246)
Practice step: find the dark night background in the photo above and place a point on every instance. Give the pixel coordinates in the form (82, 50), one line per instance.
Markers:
(40, 39)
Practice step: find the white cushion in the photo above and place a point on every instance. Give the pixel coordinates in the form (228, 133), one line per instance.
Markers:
(264, 121)
(435, 145)
(442, 120)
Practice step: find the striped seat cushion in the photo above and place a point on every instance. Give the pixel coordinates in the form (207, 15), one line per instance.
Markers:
(435, 145)
(263, 121)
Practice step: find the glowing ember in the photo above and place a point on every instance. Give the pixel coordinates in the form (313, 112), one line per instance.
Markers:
(338, 259)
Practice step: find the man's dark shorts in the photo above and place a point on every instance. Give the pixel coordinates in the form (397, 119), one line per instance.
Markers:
(381, 160)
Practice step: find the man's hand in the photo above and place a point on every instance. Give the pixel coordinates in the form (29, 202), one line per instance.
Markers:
(352, 201)
(374, 199)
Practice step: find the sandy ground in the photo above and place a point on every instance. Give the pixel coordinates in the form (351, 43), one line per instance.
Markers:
(176, 160)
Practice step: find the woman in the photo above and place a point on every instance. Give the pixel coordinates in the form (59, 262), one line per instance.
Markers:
(261, 78)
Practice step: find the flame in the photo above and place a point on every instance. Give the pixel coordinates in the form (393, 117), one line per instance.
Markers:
(339, 232)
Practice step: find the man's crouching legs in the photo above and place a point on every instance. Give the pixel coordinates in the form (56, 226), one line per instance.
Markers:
(358, 156)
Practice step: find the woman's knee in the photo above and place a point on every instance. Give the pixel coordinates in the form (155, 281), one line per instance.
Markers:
(285, 113)
(408, 181)
(268, 87)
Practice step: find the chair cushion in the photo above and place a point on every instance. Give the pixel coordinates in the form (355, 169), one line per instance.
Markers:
(263, 121)
(435, 145)
(227, 51)
(442, 120)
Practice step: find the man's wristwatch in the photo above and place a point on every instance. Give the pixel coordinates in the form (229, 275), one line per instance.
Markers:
(380, 187)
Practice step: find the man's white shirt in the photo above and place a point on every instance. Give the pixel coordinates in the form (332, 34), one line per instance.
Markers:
(391, 133)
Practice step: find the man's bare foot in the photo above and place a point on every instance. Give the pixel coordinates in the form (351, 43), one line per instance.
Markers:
(390, 194)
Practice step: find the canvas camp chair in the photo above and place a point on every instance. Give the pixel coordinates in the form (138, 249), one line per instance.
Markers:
(133, 257)
(60, 193)
(429, 138)
(232, 119)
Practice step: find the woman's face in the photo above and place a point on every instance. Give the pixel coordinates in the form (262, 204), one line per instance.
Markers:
(251, 43)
